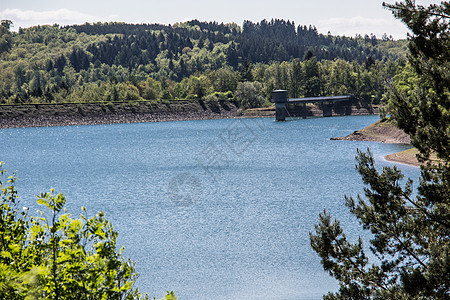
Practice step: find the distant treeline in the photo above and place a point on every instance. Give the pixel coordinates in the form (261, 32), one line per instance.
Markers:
(277, 40)
(117, 61)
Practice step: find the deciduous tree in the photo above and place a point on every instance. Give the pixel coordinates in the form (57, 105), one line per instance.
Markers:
(249, 94)
(54, 256)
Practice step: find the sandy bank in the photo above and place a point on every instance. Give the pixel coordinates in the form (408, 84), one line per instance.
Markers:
(405, 157)
(410, 157)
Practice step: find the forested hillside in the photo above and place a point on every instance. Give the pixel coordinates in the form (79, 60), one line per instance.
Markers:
(191, 60)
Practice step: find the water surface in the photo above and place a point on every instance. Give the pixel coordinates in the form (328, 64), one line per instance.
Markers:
(210, 209)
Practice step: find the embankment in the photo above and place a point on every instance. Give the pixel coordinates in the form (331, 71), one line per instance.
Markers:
(64, 114)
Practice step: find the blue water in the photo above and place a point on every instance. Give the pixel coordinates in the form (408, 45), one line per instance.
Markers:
(210, 209)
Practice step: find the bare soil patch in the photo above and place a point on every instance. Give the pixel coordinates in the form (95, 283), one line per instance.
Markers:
(383, 131)
(405, 157)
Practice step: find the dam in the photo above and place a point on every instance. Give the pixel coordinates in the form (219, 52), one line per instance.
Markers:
(282, 103)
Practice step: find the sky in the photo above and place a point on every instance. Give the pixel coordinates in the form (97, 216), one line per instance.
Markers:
(339, 17)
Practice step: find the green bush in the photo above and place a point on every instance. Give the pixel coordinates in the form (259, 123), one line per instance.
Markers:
(249, 94)
(55, 256)
(224, 96)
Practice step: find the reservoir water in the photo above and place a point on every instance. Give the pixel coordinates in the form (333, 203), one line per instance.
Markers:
(216, 209)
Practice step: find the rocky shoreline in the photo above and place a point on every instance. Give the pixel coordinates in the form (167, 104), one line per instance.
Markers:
(385, 131)
(70, 114)
(47, 121)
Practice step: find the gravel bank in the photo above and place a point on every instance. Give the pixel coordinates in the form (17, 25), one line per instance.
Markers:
(67, 114)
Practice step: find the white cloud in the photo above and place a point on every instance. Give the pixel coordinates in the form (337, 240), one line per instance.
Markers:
(360, 25)
(27, 18)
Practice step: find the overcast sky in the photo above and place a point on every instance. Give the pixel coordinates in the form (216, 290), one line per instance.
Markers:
(345, 17)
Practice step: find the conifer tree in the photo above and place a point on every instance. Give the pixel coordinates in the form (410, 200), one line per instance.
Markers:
(410, 229)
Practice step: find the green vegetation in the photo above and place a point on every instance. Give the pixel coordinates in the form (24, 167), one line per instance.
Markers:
(53, 256)
(249, 94)
(191, 60)
(410, 230)
(58, 257)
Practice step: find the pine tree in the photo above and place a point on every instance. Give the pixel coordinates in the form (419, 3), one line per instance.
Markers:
(246, 72)
(410, 230)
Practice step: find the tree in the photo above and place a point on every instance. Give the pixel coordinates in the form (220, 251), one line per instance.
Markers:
(312, 77)
(249, 94)
(57, 257)
(410, 230)
(297, 77)
(232, 55)
(5, 36)
(150, 89)
(425, 114)
(79, 59)
(224, 80)
(60, 63)
(13, 236)
(6, 23)
(246, 72)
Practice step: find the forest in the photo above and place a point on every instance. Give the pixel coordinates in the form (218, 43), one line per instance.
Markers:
(190, 60)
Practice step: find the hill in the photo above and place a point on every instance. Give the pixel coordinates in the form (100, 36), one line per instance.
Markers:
(190, 60)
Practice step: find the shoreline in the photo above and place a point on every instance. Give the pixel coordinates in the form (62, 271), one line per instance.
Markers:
(77, 114)
(385, 131)
(74, 114)
(53, 121)
(407, 157)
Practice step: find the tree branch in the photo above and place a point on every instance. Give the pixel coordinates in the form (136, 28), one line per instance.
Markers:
(406, 248)
(423, 210)
(358, 269)
(390, 6)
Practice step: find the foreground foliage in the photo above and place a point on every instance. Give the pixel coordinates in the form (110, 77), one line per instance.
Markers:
(410, 230)
(54, 256)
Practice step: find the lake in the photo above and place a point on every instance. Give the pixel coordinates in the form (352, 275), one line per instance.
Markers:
(217, 209)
